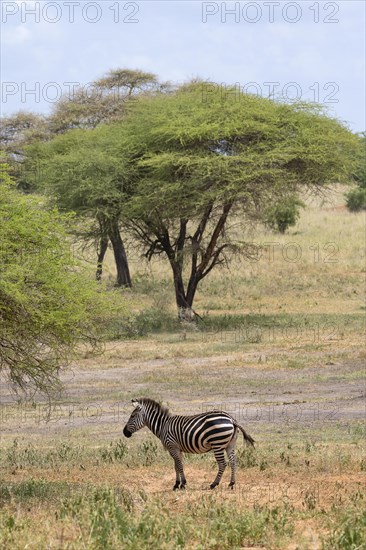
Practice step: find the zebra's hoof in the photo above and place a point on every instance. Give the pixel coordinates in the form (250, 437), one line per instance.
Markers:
(182, 486)
(176, 486)
(213, 485)
(231, 485)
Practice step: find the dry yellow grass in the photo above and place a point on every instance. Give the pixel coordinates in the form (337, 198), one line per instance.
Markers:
(318, 266)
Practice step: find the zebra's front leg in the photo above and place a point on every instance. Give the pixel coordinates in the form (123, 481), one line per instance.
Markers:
(220, 458)
(180, 478)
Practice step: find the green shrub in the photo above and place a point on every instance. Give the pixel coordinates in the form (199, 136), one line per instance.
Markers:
(281, 216)
(115, 452)
(22, 455)
(149, 452)
(110, 519)
(356, 199)
(246, 458)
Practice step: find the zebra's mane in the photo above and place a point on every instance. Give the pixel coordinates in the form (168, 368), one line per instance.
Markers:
(155, 405)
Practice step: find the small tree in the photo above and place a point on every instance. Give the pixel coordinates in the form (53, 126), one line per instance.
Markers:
(356, 199)
(48, 306)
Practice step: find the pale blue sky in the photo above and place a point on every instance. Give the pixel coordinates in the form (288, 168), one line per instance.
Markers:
(319, 46)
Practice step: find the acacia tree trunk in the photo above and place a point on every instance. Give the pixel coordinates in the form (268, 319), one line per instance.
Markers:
(123, 272)
(101, 254)
(184, 303)
(209, 257)
(184, 298)
(204, 255)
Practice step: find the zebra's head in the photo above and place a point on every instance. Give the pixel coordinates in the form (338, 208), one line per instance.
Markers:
(136, 420)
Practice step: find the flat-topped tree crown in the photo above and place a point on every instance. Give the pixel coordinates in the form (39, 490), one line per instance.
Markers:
(127, 78)
(204, 155)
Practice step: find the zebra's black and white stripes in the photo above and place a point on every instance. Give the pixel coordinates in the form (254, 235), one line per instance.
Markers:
(213, 431)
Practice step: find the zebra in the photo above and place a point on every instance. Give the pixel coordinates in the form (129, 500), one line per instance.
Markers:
(213, 431)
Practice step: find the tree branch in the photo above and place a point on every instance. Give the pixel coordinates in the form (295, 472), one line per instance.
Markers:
(197, 237)
(215, 261)
(215, 235)
(179, 243)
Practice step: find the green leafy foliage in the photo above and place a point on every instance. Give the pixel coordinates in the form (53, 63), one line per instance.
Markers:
(48, 304)
(115, 452)
(197, 157)
(349, 533)
(197, 144)
(356, 198)
(80, 170)
(84, 174)
(283, 215)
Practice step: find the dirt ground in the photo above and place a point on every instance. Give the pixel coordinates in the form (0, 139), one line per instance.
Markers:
(257, 394)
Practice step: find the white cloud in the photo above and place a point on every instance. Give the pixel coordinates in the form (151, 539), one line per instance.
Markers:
(16, 36)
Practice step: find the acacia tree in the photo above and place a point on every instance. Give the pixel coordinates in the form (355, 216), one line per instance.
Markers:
(104, 100)
(21, 129)
(48, 306)
(77, 169)
(17, 131)
(199, 160)
(84, 175)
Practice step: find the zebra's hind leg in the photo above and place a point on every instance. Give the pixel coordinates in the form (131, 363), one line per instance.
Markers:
(180, 478)
(230, 451)
(220, 458)
(232, 459)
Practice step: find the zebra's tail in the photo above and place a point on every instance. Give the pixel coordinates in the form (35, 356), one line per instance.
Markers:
(247, 438)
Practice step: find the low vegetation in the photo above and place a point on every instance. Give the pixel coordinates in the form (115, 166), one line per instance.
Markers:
(114, 496)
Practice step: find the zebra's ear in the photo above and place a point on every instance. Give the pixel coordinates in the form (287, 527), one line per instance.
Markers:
(135, 403)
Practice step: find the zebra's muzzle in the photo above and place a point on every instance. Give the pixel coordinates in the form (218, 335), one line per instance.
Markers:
(126, 433)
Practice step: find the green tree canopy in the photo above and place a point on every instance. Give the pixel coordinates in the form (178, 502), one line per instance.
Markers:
(80, 170)
(48, 305)
(85, 173)
(200, 158)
